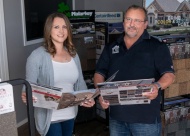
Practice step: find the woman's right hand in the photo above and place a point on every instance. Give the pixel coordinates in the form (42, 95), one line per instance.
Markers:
(23, 96)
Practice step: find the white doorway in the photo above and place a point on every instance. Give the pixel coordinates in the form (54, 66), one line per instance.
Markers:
(4, 72)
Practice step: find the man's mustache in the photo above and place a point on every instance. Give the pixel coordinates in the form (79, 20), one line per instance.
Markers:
(131, 27)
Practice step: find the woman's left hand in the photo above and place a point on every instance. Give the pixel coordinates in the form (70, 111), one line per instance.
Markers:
(88, 103)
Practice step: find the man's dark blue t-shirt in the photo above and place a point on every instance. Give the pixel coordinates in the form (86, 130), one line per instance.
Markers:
(146, 58)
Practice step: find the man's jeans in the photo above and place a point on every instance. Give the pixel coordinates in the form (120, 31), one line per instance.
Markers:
(121, 128)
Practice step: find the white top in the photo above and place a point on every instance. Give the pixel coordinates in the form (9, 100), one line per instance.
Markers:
(65, 75)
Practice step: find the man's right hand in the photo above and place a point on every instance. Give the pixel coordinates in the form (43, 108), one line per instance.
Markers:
(105, 104)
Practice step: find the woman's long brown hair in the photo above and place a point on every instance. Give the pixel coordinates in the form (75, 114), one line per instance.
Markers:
(48, 44)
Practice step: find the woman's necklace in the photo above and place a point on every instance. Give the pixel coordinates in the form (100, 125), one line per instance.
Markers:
(65, 57)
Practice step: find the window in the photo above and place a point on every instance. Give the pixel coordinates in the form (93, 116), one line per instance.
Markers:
(34, 13)
(150, 20)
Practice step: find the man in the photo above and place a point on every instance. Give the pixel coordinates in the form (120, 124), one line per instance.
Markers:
(136, 55)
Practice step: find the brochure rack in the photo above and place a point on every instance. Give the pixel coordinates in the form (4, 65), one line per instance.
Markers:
(30, 110)
(175, 104)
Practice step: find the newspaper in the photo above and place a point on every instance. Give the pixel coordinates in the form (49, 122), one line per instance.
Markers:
(54, 98)
(126, 92)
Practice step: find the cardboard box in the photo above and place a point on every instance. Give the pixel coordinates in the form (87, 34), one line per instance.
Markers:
(187, 63)
(179, 64)
(183, 88)
(182, 75)
(172, 91)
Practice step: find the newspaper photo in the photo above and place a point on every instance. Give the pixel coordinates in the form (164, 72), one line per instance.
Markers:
(54, 98)
(126, 92)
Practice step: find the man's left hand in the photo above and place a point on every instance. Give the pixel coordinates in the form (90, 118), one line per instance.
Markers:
(153, 94)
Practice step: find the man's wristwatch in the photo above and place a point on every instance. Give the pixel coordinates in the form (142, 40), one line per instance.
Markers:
(158, 85)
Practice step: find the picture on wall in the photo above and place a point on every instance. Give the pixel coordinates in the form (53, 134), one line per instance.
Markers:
(82, 21)
(164, 19)
(170, 24)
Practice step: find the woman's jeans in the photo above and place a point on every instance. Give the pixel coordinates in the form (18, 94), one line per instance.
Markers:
(64, 128)
(121, 128)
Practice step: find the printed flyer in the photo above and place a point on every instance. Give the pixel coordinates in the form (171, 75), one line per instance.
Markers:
(126, 92)
(6, 98)
(53, 98)
(163, 19)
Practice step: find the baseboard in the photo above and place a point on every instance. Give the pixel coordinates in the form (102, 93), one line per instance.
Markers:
(22, 122)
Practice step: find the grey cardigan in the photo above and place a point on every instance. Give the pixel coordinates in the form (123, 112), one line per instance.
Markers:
(39, 69)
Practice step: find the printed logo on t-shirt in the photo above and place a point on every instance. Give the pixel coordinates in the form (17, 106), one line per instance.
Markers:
(115, 49)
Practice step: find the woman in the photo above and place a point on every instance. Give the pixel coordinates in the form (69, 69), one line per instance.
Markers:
(51, 64)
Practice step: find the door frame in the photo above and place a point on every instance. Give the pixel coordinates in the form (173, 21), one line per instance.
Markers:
(4, 71)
